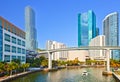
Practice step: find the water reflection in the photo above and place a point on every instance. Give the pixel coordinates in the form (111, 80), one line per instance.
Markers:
(68, 75)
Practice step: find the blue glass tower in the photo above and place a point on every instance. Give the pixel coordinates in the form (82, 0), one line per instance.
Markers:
(111, 32)
(31, 36)
(86, 28)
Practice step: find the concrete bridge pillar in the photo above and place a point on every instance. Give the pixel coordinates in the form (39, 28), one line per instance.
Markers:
(107, 72)
(49, 60)
(108, 60)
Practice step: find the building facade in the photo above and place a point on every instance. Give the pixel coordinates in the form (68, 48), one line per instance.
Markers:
(86, 28)
(63, 55)
(97, 54)
(97, 31)
(12, 42)
(31, 34)
(111, 32)
(81, 55)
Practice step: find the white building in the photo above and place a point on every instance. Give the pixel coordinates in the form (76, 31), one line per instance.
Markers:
(81, 55)
(63, 55)
(12, 42)
(97, 54)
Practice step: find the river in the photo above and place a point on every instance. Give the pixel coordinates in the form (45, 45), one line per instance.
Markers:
(68, 75)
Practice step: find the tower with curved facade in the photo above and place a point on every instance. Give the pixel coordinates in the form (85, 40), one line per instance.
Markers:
(31, 36)
(111, 32)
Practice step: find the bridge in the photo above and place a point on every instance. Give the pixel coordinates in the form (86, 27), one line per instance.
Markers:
(107, 48)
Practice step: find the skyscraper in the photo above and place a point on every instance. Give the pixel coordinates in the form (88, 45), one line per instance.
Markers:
(31, 42)
(86, 28)
(111, 31)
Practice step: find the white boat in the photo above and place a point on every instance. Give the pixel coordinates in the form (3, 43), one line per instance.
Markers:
(85, 73)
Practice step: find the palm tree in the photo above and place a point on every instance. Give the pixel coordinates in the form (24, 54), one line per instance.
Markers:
(10, 67)
(1, 67)
(24, 66)
(44, 63)
(16, 66)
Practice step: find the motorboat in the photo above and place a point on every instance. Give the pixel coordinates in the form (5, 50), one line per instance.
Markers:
(85, 73)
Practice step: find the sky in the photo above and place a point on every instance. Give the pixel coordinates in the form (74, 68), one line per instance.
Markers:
(57, 19)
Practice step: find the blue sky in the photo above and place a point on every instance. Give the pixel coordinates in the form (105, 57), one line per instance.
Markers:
(57, 19)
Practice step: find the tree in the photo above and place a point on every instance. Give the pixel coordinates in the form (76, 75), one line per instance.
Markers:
(75, 61)
(114, 63)
(1, 67)
(54, 63)
(69, 62)
(36, 62)
(30, 61)
(44, 63)
(24, 66)
(10, 66)
(16, 61)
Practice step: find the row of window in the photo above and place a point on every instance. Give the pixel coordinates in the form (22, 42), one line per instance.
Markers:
(14, 30)
(7, 58)
(14, 49)
(1, 41)
(14, 40)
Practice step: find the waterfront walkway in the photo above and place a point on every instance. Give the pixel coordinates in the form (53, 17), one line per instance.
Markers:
(11, 77)
(6, 78)
(116, 74)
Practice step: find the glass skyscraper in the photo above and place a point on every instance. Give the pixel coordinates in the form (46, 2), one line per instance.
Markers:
(31, 36)
(86, 28)
(111, 32)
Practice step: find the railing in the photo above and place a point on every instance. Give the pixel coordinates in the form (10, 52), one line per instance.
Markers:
(83, 48)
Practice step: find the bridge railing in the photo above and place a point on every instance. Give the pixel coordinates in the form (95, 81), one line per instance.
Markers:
(84, 48)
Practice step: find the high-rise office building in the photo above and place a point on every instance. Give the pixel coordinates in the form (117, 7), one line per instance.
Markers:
(86, 28)
(31, 34)
(111, 32)
(12, 42)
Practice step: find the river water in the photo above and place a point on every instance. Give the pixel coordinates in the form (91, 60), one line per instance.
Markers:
(68, 75)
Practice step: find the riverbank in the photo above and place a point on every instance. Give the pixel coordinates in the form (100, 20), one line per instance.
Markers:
(32, 70)
(15, 76)
(116, 75)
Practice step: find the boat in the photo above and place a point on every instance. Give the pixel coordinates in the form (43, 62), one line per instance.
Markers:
(85, 73)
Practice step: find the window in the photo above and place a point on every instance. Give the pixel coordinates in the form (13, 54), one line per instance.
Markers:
(23, 43)
(7, 37)
(19, 41)
(7, 58)
(5, 26)
(13, 57)
(18, 50)
(14, 30)
(23, 51)
(19, 57)
(7, 48)
(23, 58)
(13, 49)
(8, 28)
(13, 40)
